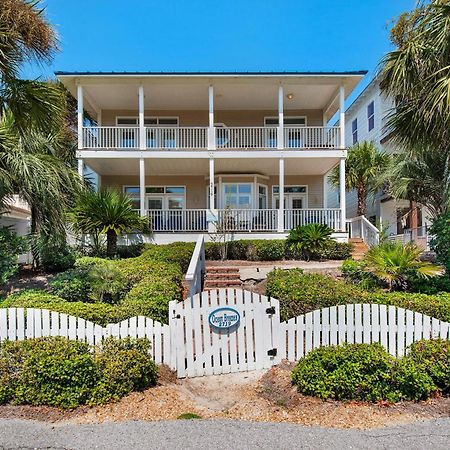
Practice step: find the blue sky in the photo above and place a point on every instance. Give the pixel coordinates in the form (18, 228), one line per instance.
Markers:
(228, 35)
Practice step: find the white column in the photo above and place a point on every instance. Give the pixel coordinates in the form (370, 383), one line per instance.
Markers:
(80, 114)
(141, 118)
(342, 115)
(342, 193)
(212, 204)
(142, 186)
(80, 167)
(211, 132)
(325, 191)
(280, 140)
(281, 196)
(99, 118)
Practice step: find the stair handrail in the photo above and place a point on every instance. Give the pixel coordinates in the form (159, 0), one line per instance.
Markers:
(369, 233)
(196, 270)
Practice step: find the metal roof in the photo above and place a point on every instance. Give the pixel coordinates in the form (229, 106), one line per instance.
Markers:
(287, 73)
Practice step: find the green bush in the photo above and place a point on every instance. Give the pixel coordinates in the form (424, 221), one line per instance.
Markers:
(130, 251)
(55, 255)
(58, 372)
(335, 250)
(178, 253)
(11, 246)
(300, 293)
(72, 285)
(355, 273)
(310, 240)
(432, 285)
(107, 283)
(433, 356)
(360, 372)
(87, 262)
(440, 241)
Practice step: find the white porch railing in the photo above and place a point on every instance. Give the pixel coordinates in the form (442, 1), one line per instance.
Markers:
(196, 138)
(196, 269)
(299, 217)
(247, 220)
(311, 137)
(185, 138)
(361, 227)
(181, 220)
(257, 138)
(111, 137)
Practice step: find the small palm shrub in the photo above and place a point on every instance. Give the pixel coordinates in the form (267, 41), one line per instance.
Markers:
(310, 240)
(395, 264)
(106, 282)
(361, 372)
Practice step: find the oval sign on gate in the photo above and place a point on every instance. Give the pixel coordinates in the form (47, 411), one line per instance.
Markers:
(224, 318)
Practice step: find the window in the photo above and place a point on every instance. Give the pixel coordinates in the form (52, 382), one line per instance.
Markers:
(290, 189)
(238, 195)
(158, 197)
(148, 121)
(299, 121)
(371, 116)
(355, 131)
(262, 197)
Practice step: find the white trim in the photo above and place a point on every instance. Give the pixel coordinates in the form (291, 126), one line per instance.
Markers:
(251, 195)
(285, 116)
(80, 115)
(342, 193)
(290, 194)
(154, 195)
(342, 114)
(148, 117)
(142, 186)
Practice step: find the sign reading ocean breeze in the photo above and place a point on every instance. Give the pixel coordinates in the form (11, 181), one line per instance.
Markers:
(224, 318)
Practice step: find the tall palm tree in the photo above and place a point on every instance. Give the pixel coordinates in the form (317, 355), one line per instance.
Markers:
(365, 166)
(417, 76)
(107, 211)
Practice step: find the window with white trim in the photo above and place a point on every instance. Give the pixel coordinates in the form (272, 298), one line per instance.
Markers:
(238, 195)
(294, 121)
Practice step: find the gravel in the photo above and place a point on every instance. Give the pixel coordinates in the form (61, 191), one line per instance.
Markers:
(216, 434)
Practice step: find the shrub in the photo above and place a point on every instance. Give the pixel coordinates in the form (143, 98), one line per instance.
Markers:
(300, 293)
(11, 246)
(72, 285)
(178, 252)
(266, 250)
(433, 356)
(430, 286)
(355, 273)
(440, 242)
(87, 262)
(107, 284)
(58, 372)
(360, 372)
(309, 240)
(54, 255)
(335, 250)
(130, 251)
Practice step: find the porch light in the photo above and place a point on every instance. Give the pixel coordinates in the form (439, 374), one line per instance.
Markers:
(290, 96)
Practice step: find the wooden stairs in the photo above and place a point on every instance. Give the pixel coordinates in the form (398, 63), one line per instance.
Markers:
(221, 277)
(359, 248)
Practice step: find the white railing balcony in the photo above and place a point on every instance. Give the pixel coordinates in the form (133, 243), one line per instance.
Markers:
(299, 217)
(231, 220)
(197, 138)
(181, 220)
(176, 138)
(311, 137)
(110, 137)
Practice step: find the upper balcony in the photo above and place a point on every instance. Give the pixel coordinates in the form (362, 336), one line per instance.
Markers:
(210, 111)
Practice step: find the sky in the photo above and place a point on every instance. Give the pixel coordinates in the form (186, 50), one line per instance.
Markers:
(230, 35)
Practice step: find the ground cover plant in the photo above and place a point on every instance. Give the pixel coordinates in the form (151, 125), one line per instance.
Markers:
(300, 293)
(362, 372)
(108, 291)
(55, 371)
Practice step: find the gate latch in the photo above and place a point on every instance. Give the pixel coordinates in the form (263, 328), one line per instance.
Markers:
(270, 310)
(272, 352)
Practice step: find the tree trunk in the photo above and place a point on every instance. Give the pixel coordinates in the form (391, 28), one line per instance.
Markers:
(362, 197)
(111, 243)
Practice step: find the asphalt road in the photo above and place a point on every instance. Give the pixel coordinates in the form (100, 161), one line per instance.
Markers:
(214, 434)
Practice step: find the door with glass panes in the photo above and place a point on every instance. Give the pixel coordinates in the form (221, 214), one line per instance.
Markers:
(166, 205)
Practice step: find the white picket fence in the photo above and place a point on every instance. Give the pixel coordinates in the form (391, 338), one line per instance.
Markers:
(192, 347)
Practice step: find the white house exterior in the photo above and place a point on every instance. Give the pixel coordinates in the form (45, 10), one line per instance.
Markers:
(365, 120)
(248, 152)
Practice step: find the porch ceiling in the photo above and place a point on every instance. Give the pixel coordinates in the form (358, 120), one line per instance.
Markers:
(191, 93)
(192, 166)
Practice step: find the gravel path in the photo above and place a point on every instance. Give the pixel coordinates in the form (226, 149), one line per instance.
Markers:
(203, 434)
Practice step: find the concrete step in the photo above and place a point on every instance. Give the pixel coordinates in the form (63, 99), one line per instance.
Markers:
(221, 276)
(222, 269)
(214, 284)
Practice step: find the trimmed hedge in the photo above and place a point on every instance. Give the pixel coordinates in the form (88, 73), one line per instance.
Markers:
(179, 253)
(55, 371)
(361, 372)
(300, 293)
(271, 250)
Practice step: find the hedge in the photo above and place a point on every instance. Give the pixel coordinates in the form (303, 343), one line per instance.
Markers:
(271, 250)
(55, 371)
(361, 372)
(300, 293)
(179, 253)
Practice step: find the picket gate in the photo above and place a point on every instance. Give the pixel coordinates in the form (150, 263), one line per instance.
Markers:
(192, 347)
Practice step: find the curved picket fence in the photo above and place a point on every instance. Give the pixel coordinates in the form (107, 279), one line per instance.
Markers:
(193, 346)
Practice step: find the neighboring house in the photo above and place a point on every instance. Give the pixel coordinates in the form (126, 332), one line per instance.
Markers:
(365, 120)
(200, 152)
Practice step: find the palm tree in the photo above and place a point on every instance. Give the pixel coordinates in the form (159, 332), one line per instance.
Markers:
(365, 166)
(394, 263)
(417, 76)
(107, 211)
